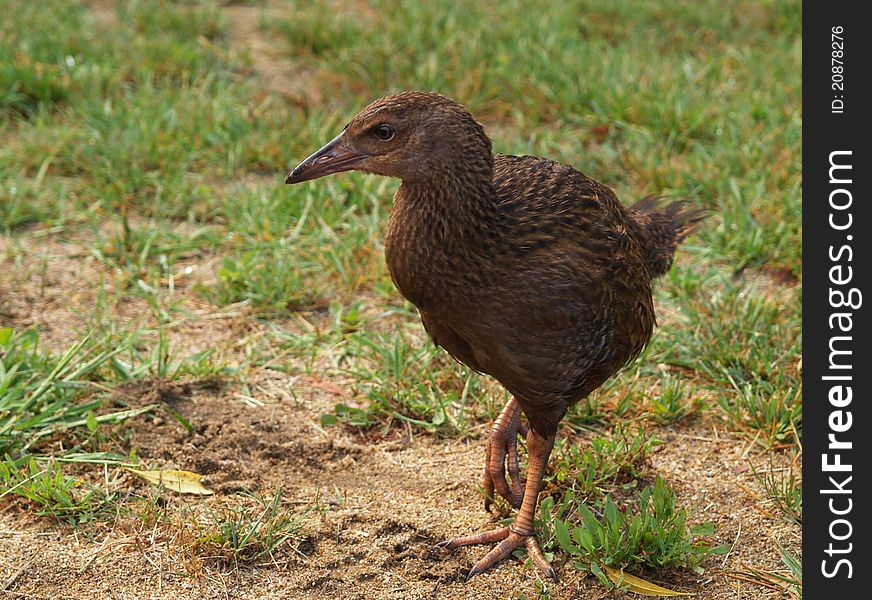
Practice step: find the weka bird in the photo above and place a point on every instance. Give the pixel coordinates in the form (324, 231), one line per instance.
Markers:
(520, 267)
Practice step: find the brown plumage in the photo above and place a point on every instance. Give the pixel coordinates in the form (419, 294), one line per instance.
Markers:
(521, 268)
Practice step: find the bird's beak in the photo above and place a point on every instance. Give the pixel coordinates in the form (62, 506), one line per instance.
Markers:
(336, 156)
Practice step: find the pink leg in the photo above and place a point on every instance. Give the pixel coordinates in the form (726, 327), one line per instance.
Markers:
(522, 530)
(502, 449)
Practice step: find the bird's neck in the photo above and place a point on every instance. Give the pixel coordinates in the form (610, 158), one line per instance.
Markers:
(438, 229)
(452, 201)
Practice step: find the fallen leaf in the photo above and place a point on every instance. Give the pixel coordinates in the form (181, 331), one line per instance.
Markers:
(640, 586)
(183, 482)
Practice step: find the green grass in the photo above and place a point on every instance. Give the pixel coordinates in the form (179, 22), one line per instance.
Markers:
(252, 531)
(140, 251)
(49, 492)
(671, 404)
(783, 486)
(793, 580)
(60, 409)
(603, 507)
(609, 465)
(142, 137)
(405, 378)
(42, 394)
(651, 530)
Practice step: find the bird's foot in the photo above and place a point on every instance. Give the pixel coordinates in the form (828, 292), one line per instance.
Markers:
(502, 452)
(508, 539)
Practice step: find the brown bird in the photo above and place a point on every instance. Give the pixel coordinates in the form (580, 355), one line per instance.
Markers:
(521, 268)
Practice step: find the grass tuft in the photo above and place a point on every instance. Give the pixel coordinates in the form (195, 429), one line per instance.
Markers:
(611, 464)
(650, 531)
(406, 379)
(47, 491)
(253, 531)
(42, 394)
(784, 488)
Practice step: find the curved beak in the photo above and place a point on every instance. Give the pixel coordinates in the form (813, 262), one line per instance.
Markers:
(334, 157)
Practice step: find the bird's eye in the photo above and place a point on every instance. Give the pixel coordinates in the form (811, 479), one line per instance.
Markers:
(384, 132)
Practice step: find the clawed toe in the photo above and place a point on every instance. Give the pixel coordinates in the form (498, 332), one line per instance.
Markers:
(508, 539)
(538, 558)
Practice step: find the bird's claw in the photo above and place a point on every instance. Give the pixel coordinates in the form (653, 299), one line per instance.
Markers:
(508, 539)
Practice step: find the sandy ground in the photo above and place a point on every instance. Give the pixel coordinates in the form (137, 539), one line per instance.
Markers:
(384, 506)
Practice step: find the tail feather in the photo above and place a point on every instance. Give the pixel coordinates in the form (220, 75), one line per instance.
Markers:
(662, 228)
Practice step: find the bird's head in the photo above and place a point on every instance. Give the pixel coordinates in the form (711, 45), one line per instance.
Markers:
(415, 136)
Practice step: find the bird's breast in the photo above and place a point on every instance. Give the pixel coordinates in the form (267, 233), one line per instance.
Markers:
(429, 260)
(430, 277)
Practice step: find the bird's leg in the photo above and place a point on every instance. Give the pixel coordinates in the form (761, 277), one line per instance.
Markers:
(502, 447)
(522, 530)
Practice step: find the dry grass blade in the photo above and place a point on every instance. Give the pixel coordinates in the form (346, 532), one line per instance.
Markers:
(775, 580)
